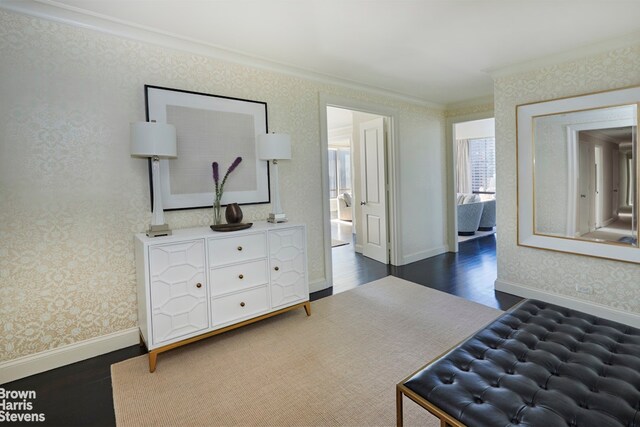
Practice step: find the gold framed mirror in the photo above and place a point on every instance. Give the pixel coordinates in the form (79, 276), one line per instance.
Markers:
(578, 174)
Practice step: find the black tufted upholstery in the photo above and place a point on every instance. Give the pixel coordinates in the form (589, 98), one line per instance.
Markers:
(539, 365)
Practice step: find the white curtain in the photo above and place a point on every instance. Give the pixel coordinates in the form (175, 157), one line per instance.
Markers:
(463, 166)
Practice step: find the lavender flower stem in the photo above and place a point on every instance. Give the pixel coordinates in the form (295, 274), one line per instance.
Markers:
(219, 186)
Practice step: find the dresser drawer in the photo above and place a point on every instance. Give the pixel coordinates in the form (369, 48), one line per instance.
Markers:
(228, 250)
(237, 277)
(239, 306)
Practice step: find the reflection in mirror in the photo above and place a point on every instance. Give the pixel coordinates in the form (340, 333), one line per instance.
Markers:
(585, 175)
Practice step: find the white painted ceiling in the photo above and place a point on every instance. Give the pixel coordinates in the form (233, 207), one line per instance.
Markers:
(433, 50)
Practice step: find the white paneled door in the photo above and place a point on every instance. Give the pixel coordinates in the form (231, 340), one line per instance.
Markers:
(373, 192)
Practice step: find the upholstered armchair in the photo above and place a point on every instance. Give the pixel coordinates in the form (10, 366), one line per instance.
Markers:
(488, 218)
(469, 218)
(345, 209)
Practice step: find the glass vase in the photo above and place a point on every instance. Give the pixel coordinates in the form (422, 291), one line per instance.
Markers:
(217, 212)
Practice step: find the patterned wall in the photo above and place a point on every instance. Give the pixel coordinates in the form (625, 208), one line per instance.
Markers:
(551, 169)
(71, 197)
(615, 284)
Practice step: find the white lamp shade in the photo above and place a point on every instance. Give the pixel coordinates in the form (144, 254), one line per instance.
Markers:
(274, 146)
(150, 139)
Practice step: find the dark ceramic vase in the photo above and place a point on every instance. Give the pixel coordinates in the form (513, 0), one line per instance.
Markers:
(233, 214)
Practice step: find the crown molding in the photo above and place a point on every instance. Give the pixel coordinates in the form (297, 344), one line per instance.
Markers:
(54, 11)
(627, 40)
(483, 100)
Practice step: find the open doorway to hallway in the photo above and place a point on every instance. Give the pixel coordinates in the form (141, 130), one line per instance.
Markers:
(357, 191)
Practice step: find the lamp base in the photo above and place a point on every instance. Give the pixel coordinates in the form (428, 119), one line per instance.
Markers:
(277, 218)
(158, 230)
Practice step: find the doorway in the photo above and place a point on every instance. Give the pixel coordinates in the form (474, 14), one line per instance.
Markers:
(474, 180)
(601, 209)
(357, 181)
(357, 168)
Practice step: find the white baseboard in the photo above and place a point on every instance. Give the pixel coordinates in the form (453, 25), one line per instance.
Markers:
(318, 285)
(67, 354)
(359, 248)
(585, 306)
(417, 256)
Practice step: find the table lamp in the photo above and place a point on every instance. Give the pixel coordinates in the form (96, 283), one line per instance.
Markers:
(274, 147)
(154, 140)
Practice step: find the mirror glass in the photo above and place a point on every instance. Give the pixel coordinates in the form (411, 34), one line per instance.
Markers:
(585, 175)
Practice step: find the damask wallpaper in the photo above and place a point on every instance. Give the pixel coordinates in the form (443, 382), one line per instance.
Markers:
(614, 284)
(551, 196)
(71, 197)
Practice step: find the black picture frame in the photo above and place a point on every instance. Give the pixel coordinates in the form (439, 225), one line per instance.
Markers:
(209, 128)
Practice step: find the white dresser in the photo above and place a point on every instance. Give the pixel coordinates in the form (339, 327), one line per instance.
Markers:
(197, 283)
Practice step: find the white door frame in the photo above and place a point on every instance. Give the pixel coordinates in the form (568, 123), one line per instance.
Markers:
(327, 100)
(450, 135)
(598, 181)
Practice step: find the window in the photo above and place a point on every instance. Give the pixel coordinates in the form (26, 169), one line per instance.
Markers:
(339, 171)
(482, 152)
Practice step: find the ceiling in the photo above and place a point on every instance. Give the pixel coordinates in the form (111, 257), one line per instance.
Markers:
(438, 51)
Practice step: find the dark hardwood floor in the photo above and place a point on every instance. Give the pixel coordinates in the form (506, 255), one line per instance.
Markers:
(80, 394)
(470, 273)
(77, 394)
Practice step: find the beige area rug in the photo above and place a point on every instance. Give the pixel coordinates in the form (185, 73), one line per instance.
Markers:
(338, 367)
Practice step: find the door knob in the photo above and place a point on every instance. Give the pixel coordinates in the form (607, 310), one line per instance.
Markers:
(363, 203)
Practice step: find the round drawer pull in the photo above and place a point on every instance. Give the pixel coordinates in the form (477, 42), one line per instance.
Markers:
(239, 248)
(198, 285)
(241, 276)
(277, 268)
(242, 304)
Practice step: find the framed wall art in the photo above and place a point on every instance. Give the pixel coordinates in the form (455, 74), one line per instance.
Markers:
(210, 128)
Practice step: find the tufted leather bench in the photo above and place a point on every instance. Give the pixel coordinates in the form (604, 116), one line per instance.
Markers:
(537, 365)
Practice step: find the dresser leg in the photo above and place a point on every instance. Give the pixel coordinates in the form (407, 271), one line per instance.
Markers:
(153, 359)
(307, 308)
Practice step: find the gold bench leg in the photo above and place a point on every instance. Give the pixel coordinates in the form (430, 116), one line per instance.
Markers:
(307, 308)
(399, 415)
